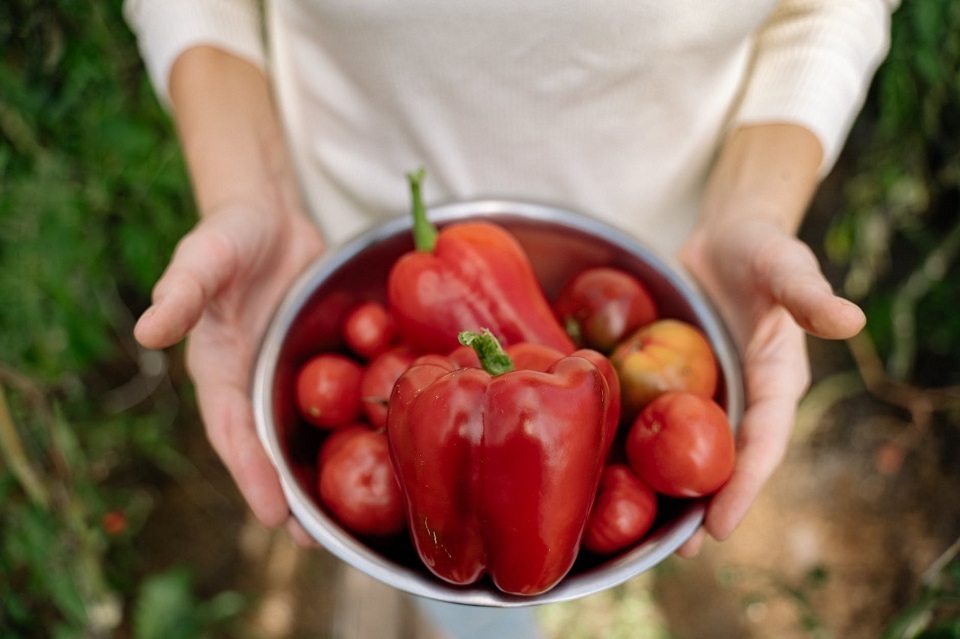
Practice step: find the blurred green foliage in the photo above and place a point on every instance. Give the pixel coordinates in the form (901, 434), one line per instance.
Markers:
(94, 197)
(898, 232)
(935, 612)
(93, 184)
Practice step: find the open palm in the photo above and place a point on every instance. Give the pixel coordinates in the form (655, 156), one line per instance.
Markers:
(224, 281)
(768, 287)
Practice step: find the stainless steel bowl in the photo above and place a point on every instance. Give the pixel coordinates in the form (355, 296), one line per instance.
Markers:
(560, 243)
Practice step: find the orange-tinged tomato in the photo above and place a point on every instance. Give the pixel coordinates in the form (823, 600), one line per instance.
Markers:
(666, 355)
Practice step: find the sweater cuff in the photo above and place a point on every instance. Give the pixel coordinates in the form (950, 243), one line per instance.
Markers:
(814, 70)
(167, 28)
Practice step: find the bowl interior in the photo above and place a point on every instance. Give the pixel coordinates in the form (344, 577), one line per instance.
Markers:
(560, 244)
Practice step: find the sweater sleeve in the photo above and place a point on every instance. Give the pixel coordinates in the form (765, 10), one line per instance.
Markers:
(167, 28)
(813, 64)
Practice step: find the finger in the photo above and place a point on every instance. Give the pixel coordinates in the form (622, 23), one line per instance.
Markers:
(691, 547)
(762, 451)
(200, 266)
(228, 417)
(299, 534)
(789, 270)
(776, 375)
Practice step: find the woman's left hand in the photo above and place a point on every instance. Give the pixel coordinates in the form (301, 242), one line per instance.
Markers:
(768, 287)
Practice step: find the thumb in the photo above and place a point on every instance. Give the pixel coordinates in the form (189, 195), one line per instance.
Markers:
(201, 265)
(790, 272)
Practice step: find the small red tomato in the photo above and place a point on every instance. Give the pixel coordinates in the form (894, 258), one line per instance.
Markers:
(378, 380)
(114, 522)
(601, 305)
(682, 445)
(337, 437)
(665, 355)
(464, 357)
(369, 329)
(534, 357)
(358, 485)
(622, 513)
(328, 390)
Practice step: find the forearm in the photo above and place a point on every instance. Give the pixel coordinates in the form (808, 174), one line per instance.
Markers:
(230, 132)
(765, 172)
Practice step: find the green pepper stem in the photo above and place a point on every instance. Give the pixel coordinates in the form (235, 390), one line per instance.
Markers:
(493, 358)
(424, 233)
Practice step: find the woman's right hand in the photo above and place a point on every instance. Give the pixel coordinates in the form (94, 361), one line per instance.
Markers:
(227, 276)
(225, 279)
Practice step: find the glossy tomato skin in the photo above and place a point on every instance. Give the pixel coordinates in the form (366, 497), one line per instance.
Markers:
(378, 379)
(328, 390)
(682, 445)
(358, 485)
(337, 438)
(623, 512)
(666, 355)
(369, 329)
(602, 305)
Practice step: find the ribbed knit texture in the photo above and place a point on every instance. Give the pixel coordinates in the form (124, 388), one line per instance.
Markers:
(613, 108)
(812, 66)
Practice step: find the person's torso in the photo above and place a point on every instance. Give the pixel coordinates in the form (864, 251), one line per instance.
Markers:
(614, 108)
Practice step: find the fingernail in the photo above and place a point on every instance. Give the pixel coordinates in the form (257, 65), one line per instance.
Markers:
(149, 312)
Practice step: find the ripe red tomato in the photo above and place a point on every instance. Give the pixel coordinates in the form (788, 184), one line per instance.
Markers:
(464, 357)
(328, 390)
(114, 522)
(622, 513)
(359, 486)
(337, 437)
(534, 357)
(601, 305)
(666, 355)
(681, 445)
(378, 380)
(369, 329)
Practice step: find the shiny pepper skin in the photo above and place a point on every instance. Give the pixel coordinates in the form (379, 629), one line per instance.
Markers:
(468, 276)
(499, 472)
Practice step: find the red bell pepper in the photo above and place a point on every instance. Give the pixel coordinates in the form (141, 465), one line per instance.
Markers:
(499, 467)
(465, 277)
(538, 357)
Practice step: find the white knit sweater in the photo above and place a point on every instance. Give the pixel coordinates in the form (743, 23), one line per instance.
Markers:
(613, 108)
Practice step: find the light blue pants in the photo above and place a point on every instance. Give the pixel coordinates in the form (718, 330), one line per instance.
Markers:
(477, 622)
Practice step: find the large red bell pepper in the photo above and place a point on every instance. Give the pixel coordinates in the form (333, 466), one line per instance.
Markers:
(468, 276)
(538, 357)
(499, 471)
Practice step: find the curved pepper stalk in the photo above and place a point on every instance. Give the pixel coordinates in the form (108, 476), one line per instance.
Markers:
(499, 471)
(467, 276)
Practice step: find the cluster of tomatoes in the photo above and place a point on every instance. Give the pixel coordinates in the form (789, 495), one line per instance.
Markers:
(674, 439)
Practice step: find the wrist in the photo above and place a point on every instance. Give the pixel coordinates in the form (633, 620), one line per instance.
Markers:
(766, 172)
